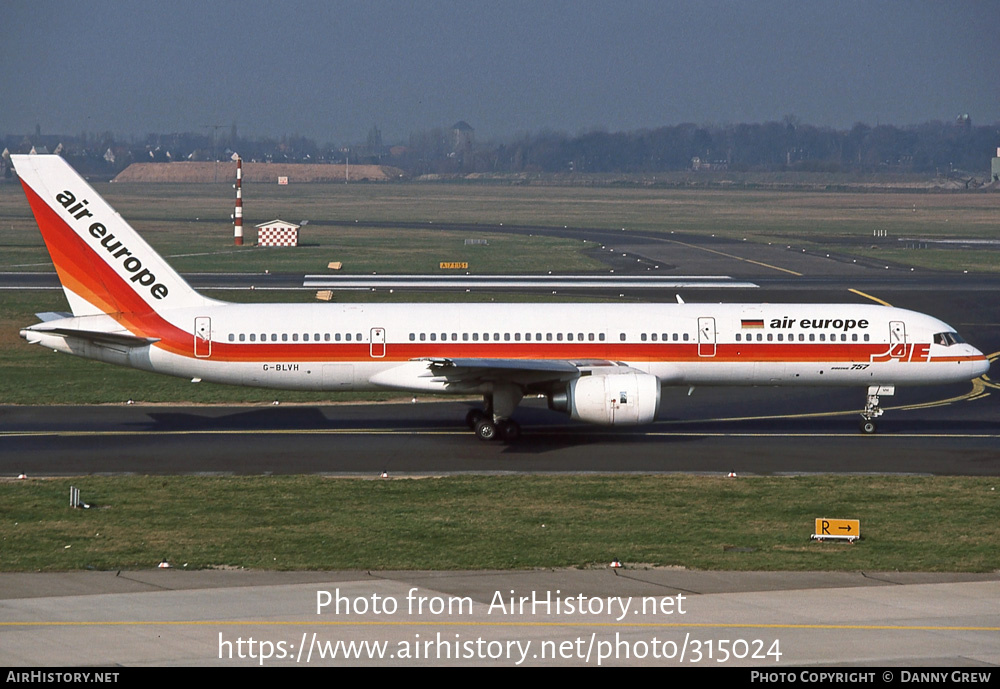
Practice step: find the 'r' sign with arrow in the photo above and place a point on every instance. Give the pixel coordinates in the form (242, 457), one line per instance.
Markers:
(841, 529)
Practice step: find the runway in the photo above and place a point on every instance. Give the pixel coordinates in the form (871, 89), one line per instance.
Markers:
(952, 430)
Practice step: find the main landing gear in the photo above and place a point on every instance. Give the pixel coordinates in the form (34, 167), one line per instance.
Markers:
(507, 430)
(494, 422)
(872, 409)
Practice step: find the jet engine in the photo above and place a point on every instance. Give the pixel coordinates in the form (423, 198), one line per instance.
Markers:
(624, 399)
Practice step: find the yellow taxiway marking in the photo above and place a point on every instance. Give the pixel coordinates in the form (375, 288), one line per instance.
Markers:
(868, 296)
(493, 623)
(738, 258)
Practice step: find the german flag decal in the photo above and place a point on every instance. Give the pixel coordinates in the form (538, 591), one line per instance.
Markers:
(753, 322)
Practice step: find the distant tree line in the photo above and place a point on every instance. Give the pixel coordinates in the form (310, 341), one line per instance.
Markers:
(772, 146)
(933, 147)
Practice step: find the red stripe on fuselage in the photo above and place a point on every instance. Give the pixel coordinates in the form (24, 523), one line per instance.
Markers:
(639, 352)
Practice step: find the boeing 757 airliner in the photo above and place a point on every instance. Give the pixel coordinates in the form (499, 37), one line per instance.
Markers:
(600, 363)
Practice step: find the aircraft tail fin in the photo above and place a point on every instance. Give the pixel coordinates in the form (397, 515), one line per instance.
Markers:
(102, 262)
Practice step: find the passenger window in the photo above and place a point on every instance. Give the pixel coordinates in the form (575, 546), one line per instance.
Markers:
(434, 337)
(622, 337)
(232, 337)
(242, 337)
(253, 337)
(347, 337)
(413, 337)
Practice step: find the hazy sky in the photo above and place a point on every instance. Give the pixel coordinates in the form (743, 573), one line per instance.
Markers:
(331, 69)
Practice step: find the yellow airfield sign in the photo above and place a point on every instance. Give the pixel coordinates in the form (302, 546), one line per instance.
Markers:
(843, 529)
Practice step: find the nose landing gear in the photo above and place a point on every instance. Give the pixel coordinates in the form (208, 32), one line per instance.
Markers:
(872, 409)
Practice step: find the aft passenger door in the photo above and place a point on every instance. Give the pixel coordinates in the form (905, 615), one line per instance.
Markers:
(203, 337)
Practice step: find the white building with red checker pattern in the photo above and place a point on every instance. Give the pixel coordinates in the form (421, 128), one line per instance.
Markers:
(277, 233)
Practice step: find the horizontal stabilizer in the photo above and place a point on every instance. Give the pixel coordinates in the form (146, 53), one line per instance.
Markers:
(121, 339)
(47, 316)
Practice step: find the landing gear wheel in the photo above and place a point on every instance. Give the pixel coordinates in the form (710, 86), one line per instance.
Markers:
(473, 418)
(510, 430)
(486, 430)
(868, 427)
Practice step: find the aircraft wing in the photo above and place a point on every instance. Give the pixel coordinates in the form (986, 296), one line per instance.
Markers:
(457, 374)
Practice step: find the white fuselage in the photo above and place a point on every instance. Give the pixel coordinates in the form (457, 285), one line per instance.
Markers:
(368, 346)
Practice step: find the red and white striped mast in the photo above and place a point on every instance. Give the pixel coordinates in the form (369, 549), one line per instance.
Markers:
(238, 216)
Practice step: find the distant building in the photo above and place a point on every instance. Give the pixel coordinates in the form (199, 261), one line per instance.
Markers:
(462, 137)
(699, 165)
(277, 233)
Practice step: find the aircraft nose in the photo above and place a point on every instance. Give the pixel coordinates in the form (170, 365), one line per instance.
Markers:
(980, 365)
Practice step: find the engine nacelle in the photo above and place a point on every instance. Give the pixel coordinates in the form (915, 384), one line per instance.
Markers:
(624, 399)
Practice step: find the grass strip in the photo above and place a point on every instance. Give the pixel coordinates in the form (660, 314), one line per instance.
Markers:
(499, 522)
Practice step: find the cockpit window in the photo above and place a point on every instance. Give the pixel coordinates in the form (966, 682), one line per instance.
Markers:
(948, 339)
